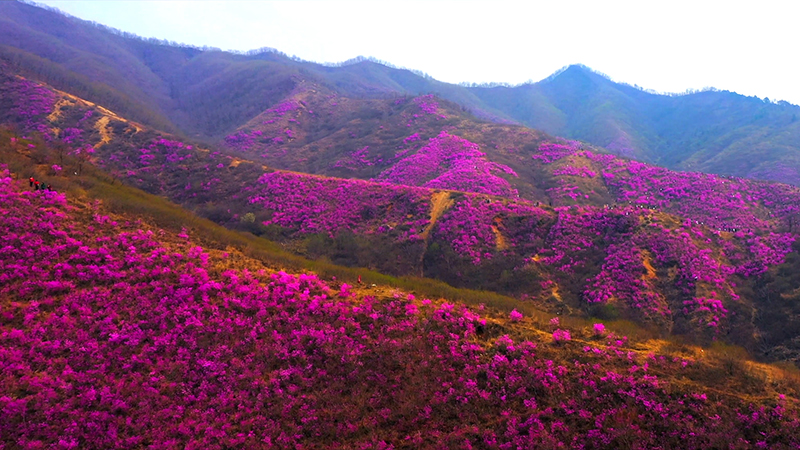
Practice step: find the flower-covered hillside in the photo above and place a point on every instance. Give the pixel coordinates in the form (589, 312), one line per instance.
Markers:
(425, 141)
(117, 335)
(619, 261)
(590, 233)
(412, 141)
(450, 162)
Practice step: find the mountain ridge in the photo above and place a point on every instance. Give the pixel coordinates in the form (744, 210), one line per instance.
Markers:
(209, 94)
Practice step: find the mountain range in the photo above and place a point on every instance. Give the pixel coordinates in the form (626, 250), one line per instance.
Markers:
(207, 95)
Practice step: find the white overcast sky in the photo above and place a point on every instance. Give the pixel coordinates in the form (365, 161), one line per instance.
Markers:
(748, 47)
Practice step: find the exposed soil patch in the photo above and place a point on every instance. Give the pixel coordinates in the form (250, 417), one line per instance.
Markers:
(440, 202)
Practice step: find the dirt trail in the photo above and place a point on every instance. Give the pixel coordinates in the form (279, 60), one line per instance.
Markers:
(236, 161)
(440, 202)
(651, 272)
(56, 114)
(555, 293)
(502, 244)
(105, 134)
(67, 98)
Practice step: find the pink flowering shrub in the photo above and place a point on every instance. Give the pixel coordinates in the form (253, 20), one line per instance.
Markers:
(622, 277)
(561, 336)
(355, 160)
(599, 329)
(72, 135)
(30, 104)
(242, 140)
(412, 138)
(583, 172)
(282, 108)
(472, 225)
(427, 104)
(551, 152)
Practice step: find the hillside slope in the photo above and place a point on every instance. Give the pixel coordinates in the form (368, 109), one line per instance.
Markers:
(682, 253)
(116, 334)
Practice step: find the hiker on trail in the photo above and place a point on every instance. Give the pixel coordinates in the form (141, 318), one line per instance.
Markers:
(35, 185)
(31, 179)
(359, 279)
(49, 188)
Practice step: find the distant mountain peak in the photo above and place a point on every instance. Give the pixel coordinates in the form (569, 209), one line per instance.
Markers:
(580, 67)
(575, 72)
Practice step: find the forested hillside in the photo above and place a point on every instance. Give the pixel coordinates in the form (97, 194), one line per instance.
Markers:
(208, 94)
(713, 131)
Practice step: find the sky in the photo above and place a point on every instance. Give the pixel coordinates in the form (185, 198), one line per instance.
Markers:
(667, 46)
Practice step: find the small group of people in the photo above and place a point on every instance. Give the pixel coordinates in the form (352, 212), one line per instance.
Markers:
(40, 185)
